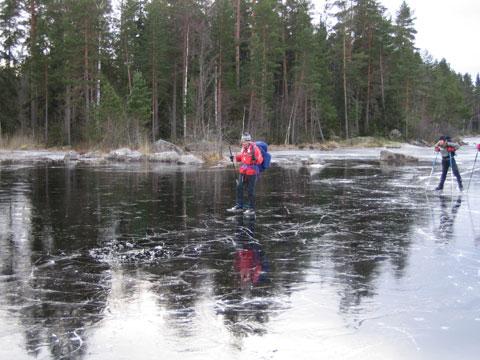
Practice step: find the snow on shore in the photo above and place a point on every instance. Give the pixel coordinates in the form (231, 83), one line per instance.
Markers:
(287, 157)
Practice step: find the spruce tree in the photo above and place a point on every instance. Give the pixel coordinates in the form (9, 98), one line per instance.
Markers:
(138, 108)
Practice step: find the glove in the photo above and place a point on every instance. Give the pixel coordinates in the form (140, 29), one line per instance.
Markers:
(437, 148)
(450, 149)
(231, 158)
(478, 147)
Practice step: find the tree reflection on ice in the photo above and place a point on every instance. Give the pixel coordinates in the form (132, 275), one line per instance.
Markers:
(90, 258)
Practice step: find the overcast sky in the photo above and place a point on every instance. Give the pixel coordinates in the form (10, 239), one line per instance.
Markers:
(446, 29)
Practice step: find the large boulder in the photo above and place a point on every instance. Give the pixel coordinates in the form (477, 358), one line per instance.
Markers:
(125, 155)
(166, 156)
(160, 146)
(396, 158)
(190, 159)
(395, 134)
(71, 156)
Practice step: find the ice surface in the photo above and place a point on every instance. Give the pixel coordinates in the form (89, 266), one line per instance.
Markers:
(350, 259)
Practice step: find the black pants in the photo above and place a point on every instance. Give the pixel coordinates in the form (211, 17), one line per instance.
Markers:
(249, 181)
(445, 166)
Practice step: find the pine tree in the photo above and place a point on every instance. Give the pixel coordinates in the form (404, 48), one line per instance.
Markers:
(343, 54)
(158, 48)
(300, 50)
(324, 113)
(476, 106)
(128, 42)
(368, 22)
(10, 36)
(264, 51)
(10, 31)
(111, 125)
(405, 69)
(138, 108)
(223, 24)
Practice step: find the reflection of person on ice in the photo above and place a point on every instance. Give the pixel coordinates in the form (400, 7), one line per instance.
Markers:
(250, 157)
(250, 261)
(447, 149)
(448, 215)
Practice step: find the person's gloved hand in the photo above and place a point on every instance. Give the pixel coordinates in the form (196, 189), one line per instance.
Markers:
(437, 148)
(231, 158)
(478, 147)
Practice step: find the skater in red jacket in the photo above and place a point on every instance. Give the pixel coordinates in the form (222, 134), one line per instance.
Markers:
(251, 157)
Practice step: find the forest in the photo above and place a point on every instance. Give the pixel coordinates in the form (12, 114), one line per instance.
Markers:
(101, 74)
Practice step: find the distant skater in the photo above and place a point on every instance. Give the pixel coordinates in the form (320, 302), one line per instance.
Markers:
(447, 149)
(251, 157)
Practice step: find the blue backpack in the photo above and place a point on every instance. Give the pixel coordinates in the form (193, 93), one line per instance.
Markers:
(266, 155)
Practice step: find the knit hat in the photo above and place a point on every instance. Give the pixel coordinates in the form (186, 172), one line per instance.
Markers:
(246, 137)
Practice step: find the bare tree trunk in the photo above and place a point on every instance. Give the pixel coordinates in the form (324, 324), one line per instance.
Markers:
(154, 84)
(290, 134)
(33, 25)
(407, 107)
(218, 111)
(319, 123)
(201, 97)
(99, 72)
(33, 109)
(86, 76)
(251, 115)
(357, 116)
(154, 104)
(68, 114)
(285, 87)
(305, 115)
(173, 126)
(285, 78)
(33, 53)
(46, 103)
(382, 89)
(23, 100)
(215, 99)
(345, 81)
(237, 43)
(263, 83)
(251, 109)
(369, 81)
(312, 123)
(185, 82)
(126, 53)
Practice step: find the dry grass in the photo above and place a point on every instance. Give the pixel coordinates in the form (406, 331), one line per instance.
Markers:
(366, 141)
(19, 142)
(145, 147)
(207, 151)
(211, 158)
(369, 141)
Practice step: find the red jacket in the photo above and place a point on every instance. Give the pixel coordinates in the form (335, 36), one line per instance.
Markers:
(250, 163)
(247, 263)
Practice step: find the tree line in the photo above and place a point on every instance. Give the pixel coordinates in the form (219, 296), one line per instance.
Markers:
(83, 72)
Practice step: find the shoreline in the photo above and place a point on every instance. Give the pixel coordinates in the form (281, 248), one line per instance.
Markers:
(370, 149)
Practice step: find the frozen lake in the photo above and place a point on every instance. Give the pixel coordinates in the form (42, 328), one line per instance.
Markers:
(353, 259)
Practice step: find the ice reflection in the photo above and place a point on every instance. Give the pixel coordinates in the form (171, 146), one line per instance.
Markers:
(52, 297)
(251, 263)
(448, 212)
(350, 259)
